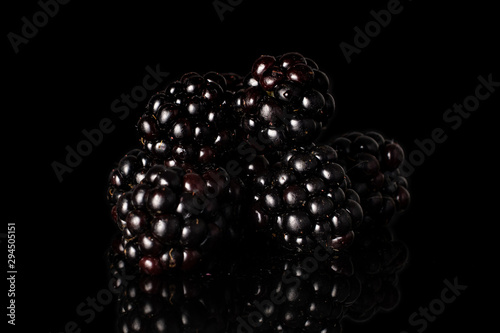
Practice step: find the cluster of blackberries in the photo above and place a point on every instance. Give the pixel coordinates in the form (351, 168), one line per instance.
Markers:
(227, 159)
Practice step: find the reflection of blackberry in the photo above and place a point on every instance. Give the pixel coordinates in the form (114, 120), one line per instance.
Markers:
(287, 102)
(378, 259)
(372, 163)
(172, 219)
(174, 303)
(305, 201)
(260, 293)
(294, 293)
(190, 121)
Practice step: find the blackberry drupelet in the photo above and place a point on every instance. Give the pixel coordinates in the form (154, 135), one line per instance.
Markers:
(286, 102)
(172, 219)
(372, 163)
(305, 201)
(190, 123)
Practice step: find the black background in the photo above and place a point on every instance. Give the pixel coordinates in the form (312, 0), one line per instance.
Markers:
(66, 77)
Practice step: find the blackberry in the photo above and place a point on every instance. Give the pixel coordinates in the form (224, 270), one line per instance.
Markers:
(286, 102)
(305, 201)
(190, 123)
(173, 219)
(372, 163)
